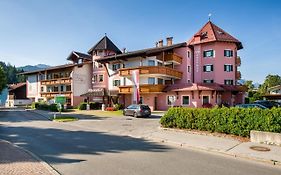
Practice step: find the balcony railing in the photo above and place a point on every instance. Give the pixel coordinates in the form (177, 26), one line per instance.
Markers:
(53, 94)
(56, 81)
(238, 75)
(161, 70)
(238, 61)
(172, 58)
(145, 88)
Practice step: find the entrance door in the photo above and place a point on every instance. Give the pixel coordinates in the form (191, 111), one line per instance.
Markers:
(206, 100)
(155, 103)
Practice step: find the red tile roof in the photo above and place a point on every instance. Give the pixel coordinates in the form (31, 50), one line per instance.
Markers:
(210, 33)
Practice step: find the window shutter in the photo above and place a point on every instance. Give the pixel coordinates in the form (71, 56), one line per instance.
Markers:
(212, 67)
(204, 68)
(231, 68)
(225, 52)
(224, 67)
(204, 54)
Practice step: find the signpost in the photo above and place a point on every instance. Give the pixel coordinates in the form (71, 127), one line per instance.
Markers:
(60, 100)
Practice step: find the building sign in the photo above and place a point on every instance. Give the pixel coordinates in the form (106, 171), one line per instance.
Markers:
(197, 56)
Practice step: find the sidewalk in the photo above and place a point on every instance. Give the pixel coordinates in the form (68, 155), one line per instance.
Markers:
(16, 161)
(150, 129)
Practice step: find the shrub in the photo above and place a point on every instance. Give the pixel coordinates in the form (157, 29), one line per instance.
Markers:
(82, 106)
(95, 105)
(34, 105)
(118, 106)
(237, 121)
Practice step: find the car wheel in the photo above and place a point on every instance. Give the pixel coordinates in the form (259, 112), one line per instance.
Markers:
(124, 113)
(135, 115)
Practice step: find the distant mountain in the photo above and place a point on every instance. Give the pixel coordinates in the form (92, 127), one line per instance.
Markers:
(28, 68)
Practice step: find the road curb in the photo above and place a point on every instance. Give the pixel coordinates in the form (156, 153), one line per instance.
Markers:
(45, 164)
(184, 145)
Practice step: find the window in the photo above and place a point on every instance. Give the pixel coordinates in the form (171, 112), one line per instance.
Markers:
(188, 81)
(188, 68)
(185, 100)
(116, 67)
(151, 63)
(160, 81)
(188, 54)
(42, 89)
(171, 99)
(209, 53)
(68, 88)
(56, 88)
(228, 82)
(80, 61)
(151, 80)
(95, 78)
(61, 88)
(228, 53)
(99, 65)
(208, 81)
(100, 78)
(49, 89)
(159, 64)
(116, 82)
(208, 68)
(228, 68)
(206, 100)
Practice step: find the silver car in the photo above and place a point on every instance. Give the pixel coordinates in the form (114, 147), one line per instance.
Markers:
(137, 110)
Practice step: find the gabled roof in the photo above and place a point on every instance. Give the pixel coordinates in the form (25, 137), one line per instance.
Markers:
(105, 44)
(15, 86)
(211, 33)
(143, 52)
(49, 68)
(77, 55)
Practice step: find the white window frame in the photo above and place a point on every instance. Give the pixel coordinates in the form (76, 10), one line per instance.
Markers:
(214, 53)
(113, 65)
(209, 101)
(230, 66)
(151, 78)
(149, 61)
(229, 80)
(205, 65)
(167, 98)
(188, 100)
(204, 81)
(113, 83)
(228, 50)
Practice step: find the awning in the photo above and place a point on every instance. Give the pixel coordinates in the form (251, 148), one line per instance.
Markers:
(95, 92)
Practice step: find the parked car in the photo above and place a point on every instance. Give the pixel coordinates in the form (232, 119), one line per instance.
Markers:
(135, 110)
(268, 104)
(254, 105)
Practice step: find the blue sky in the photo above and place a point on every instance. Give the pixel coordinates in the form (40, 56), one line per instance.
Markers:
(46, 31)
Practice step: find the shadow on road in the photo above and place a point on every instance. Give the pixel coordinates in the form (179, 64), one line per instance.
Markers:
(54, 145)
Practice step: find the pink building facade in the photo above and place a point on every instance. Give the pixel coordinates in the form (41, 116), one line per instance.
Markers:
(201, 72)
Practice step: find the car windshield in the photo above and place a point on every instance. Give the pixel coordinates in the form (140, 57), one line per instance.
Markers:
(145, 107)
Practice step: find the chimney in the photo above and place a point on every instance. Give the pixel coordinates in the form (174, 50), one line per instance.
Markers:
(160, 43)
(124, 50)
(169, 41)
(156, 44)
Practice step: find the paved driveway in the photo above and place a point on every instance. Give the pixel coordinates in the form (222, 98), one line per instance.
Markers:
(84, 147)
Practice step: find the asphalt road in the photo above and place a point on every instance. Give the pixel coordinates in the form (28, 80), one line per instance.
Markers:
(74, 150)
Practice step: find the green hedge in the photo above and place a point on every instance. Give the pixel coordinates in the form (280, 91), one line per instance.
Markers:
(237, 121)
(82, 106)
(45, 106)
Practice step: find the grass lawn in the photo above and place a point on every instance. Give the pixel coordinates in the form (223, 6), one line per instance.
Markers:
(64, 119)
(100, 113)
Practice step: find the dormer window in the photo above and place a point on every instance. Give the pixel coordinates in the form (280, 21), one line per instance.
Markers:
(80, 61)
(204, 35)
(115, 67)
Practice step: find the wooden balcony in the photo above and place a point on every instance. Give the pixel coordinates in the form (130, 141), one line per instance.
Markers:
(173, 58)
(238, 75)
(155, 70)
(144, 88)
(238, 61)
(56, 81)
(53, 94)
